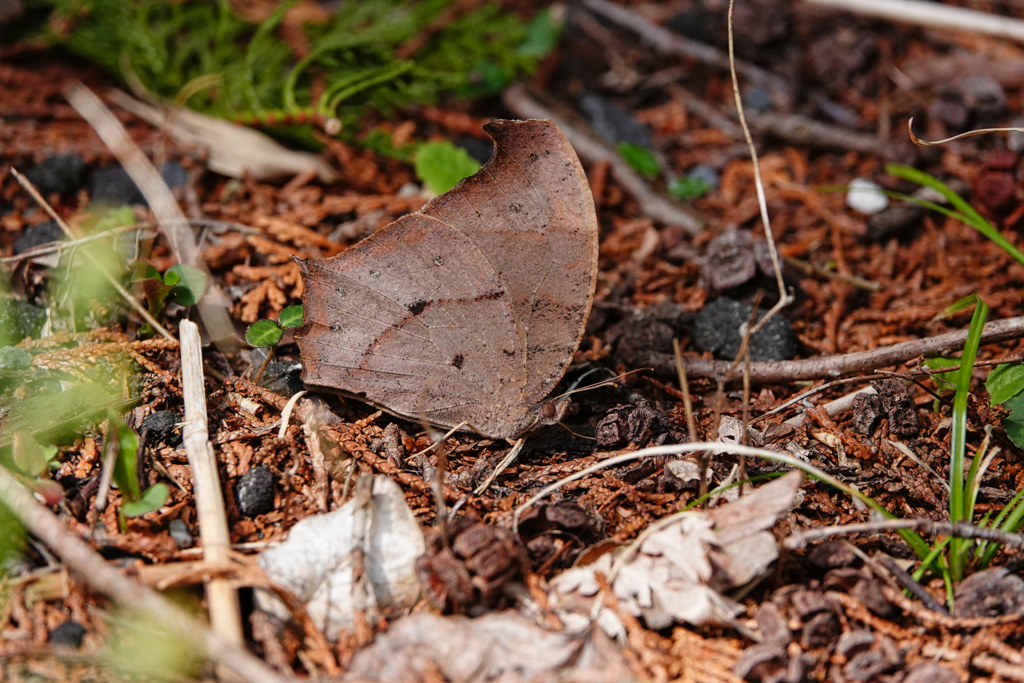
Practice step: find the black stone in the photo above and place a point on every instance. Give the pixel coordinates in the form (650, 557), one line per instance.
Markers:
(174, 174)
(480, 150)
(35, 235)
(613, 123)
(717, 329)
(69, 634)
(255, 491)
(113, 185)
(62, 173)
(162, 426)
(284, 378)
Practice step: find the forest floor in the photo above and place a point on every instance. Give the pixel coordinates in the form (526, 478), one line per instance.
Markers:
(828, 95)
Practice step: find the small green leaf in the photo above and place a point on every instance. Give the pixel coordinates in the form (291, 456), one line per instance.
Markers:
(29, 457)
(126, 462)
(688, 188)
(1004, 382)
(143, 271)
(191, 284)
(171, 278)
(940, 362)
(263, 333)
(290, 317)
(1014, 422)
(441, 165)
(542, 35)
(153, 499)
(107, 218)
(640, 158)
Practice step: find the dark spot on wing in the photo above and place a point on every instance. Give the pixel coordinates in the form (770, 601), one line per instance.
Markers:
(459, 361)
(417, 306)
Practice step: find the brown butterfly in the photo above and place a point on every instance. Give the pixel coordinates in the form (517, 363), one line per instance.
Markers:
(469, 310)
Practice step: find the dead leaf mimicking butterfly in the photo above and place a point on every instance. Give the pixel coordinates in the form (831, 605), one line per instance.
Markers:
(471, 309)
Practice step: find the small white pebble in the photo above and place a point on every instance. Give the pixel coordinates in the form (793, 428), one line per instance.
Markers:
(866, 197)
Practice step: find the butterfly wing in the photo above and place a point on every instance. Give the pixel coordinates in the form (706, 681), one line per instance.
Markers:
(413, 319)
(531, 213)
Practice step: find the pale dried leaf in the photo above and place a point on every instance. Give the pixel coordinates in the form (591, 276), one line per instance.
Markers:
(502, 647)
(315, 563)
(234, 150)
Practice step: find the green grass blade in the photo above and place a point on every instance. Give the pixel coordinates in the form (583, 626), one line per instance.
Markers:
(972, 217)
(959, 507)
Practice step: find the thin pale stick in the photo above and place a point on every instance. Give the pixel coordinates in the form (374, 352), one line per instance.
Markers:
(136, 306)
(684, 385)
(225, 616)
(762, 201)
(930, 14)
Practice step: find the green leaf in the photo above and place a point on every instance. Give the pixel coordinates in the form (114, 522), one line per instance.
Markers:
(263, 333)
(153, 499)
(290, 317)
(640, 158)
(940, 362)
(30, 458)
(143, 271)
(542, 35)
(688, 188)
(1004, 382)
(126, 463)
(171, 278)
(1014, 422)
(441, 165)
(191, 284)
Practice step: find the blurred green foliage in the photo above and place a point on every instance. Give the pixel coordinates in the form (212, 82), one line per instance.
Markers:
(352, 56)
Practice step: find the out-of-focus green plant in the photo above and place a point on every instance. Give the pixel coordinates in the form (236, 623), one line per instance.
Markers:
(136, 502)
(142, 648)
(373, 54)
(441, 165)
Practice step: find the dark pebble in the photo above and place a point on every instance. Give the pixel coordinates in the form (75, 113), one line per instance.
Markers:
(68, 634)
(174, 174)
(613, 123)
(693, 22)
(717, 329)
(113, 185)
(162, 426)
(478, 149)
(35, 235)
(284, 378)
(63, 174)
(255, 491)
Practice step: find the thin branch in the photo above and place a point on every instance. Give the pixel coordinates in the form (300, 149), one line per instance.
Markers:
(925, 527)
(102, 578)
(668, 43)
(136, 306)
(591, 151)
(930, 14)
(861, 361)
